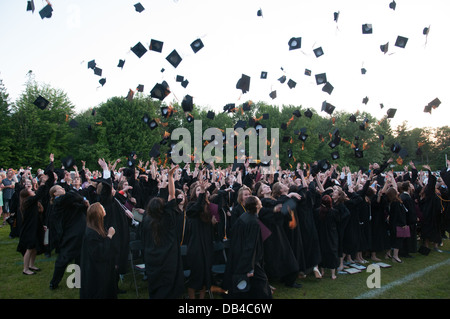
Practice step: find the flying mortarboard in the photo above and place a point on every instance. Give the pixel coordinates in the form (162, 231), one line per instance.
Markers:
(243, 83)
(174, 58)
(318, 52)
(395, 148)
(328, 88)
(297, 113)
(68, 162)
(155, 151)
(321, 78)
(384, 47)
(323, 165)
(426, 30)
(30, 6)
(263, 75)
(307, 72)
(327, 107)
(359, 153)
(365, 100)
(139, 7)
(295, 43)
(197, 45)
(291, 83)
(139, 50)
(41, 102)
(363, 71)
(308, 113)
(367, 28)
(259, 13)
(401, 42)
(391, 113)
(211, 115)
(335, 155)
(187, 104)
(435, 103)
(185, 83)
(102, 81)
(160, 91)
(273, 94)
(91, 64)
(392, 5)
(335, 141)
(352, 118)
(46, 12)
(121, 63)
(140, 88)
(156, 45)
(282, 79)
(98, 71)
(336, 16)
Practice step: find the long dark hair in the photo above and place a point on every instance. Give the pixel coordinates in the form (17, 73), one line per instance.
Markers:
(94, 218)
(205, 214)
(155, 209)
(325, 206)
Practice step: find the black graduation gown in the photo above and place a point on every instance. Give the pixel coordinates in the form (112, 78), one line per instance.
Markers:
(431, 210)
(397, 218)
(380, 228)
(328, 238)
(279, 259)
(97, 267)
(344, 217)
(351, 234)
(246, 255)
(200, 254)
(410, 244)
(163, 264)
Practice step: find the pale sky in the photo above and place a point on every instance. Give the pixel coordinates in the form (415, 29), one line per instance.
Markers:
(237, 41)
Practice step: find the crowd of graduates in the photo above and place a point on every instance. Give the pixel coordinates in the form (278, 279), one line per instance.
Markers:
(282, 225)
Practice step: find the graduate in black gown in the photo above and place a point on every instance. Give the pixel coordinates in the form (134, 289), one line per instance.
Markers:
(245, 277)
(397, 218)
(163, 264)
(339, 197)
(410, 244)
(326, 219)
(69, 213)
(97, 260)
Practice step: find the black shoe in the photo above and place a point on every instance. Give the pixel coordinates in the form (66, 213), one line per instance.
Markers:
(294, 285)
(53, 286)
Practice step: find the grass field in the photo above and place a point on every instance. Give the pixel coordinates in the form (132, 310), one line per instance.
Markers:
(421, 277)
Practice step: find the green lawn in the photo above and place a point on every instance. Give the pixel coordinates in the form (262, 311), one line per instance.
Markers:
(408, 280)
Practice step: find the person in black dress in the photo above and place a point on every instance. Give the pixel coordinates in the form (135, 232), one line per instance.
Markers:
(410, 244)
(245, 277)
(97, 260)
(397, 218)
(162, 256)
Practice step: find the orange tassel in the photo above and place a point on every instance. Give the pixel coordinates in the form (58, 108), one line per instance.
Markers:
(303, 146)
(292, 222)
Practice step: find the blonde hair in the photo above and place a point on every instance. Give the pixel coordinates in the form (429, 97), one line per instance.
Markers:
(94, 218)
(241, 193)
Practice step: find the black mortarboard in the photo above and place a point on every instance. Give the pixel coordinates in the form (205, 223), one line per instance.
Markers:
(392, 5)
(165, 111)
(187, 104)
(291, 83)
(73, 123)
(327, 107)
(98, 71)
(367, 28)
(139, 7)
(335, 141)
(179, 78)
(155, 151)
(297, 113)
(323, 165)
(434, 104)
(139, 50)
(363, 71)
(336, 16)
(321, 78)
(308, 113)
(174, 58)
(288, 207)
(282, 79)
(240, 123)
(308, 72)
(426, 30)
(41, 102)
(289, 153)
(145, 118)
(185, 83)
(160, 91)
(68, 162)
(91, 64)
(230, 107)
(335, 155)
(46, 12)
(328, 88)
(263, 75)
(30, 5)
(303, 136)
(197, 45)
(391, 113)
(102, 81)
(352, 118)
(395, 148)
(121, 63)
(384, 47)
(359, 153)
(273, 94)
(243, 83)
(211, 115)
(295, 43)
(362, 126)
(365, 100)
(190, 118)
(318, 52)
(266, 116)
(156, 45)
(259, 13)
(401, 42)
(140, 88)
(283, 126)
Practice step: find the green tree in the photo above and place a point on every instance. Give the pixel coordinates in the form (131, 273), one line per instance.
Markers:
(6, 128)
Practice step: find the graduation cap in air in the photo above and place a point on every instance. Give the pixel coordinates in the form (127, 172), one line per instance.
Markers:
(391, 113)
(308, 113)
(166, 111)
(160, 91)
(401, 42)
(41, 102)
(392, 5)
(318, 52)
(230, 107)
(323, 165)
(139, 49)
(240, 124)
(174, 58)
(273, 94)
(46, 12)
(328, 88)
(352, 118)
(288, 207)
(197, 45)
(243, 83)
(367, 28)
(139, 7)
(185, 83)
(384, 47)
(187, 104)
(291, 83)
(363, 71)
(155, 151)
(140, 88)
(297, 113)
(156, 45)
(30, 5)
(179, 78)
(282, 79)
(68, 162)
(91, 64)
(395, 148)
(327, 107)
(98, 71)
(211, 115)
(295, 43)
(263, 75)
(302, 135)
(190, 118)
(259, 13)
(432, 105)
(321, 78)
(102, 81)
(359, 153)
(308, 72)
(335, 155)
(336, 16)
(335, 141)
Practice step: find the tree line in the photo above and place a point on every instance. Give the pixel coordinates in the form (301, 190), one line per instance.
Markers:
(115, 129)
